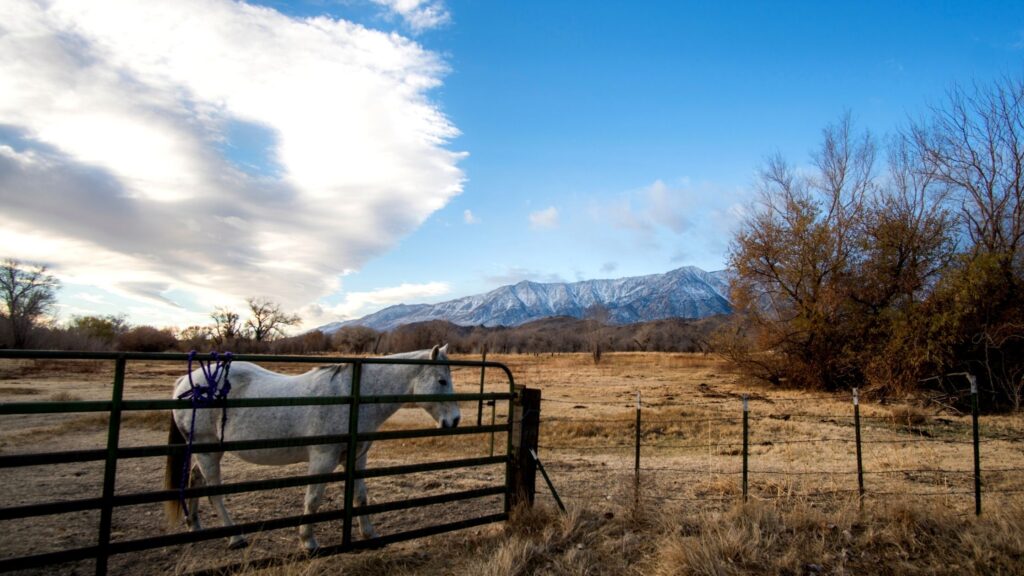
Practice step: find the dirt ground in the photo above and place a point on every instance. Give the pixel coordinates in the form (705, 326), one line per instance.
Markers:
(801, 449)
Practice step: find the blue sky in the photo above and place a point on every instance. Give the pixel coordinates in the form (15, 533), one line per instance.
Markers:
(421, 151)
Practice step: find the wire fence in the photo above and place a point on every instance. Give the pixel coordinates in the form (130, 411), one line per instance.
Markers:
(732, 448)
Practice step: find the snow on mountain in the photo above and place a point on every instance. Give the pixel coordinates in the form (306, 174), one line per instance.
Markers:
(687, 292)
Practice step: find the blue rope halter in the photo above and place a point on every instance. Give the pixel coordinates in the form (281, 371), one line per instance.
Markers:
(203, 396)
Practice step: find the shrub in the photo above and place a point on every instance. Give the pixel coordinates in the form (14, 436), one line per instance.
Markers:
(147, 339)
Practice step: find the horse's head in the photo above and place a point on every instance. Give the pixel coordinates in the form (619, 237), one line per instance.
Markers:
(438, 380)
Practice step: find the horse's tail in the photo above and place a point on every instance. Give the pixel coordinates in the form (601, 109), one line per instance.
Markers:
(172, 475)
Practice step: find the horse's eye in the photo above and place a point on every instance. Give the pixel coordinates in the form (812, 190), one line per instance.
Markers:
(442, 382)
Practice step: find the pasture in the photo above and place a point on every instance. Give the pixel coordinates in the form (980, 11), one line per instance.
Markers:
(685, 516)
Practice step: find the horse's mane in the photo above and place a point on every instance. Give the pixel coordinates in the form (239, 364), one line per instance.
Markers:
(408, 355)
(336, 368)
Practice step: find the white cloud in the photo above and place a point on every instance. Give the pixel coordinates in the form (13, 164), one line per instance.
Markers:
(118, 166)
(358, 304)
(651, 207)
(92, 298)
(419, 15)
(546, 218)
(469, 218)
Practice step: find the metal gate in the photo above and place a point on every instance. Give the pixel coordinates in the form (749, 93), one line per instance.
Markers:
(109, 499)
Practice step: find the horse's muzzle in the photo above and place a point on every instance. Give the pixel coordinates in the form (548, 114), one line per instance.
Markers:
(452, 424)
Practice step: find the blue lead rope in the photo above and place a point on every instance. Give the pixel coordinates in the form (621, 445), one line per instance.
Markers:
(203, 396)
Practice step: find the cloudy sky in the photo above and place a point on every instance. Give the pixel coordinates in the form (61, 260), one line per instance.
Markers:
(167, 157)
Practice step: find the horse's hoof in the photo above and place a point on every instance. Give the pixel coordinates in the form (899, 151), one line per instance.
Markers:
(311, 552)
(238, 544)
(310, 547)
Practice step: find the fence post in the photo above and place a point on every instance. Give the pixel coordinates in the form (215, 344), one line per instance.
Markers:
(746, 435)
(977, 448)
(860, 461)
(636, 463)
(480, 402)
(492, 403)
(350, 453)
(110, 468)
(525, 432)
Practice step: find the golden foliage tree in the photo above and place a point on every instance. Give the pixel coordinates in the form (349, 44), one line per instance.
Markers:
(831, 261)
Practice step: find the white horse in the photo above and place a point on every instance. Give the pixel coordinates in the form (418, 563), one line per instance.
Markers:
(251, 381)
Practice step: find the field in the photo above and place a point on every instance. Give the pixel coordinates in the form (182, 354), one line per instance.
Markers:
(684, 516)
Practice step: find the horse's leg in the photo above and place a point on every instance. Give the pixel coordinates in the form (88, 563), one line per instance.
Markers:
(320, 462)
(210, 465)
(362, 499)
(195, 480)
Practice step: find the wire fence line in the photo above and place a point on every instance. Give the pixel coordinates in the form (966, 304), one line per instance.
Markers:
(652, 442)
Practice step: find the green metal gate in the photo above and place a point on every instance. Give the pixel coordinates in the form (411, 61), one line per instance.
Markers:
(108, 500)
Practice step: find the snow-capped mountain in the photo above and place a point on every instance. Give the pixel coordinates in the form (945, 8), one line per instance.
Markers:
(687, 292)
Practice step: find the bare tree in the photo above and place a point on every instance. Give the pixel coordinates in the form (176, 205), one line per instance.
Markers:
(355, 339)
(266, 320)
(27, 296)
(597, 316)
(975, 145)
(105, 329)
(196, 337)
(227, 326)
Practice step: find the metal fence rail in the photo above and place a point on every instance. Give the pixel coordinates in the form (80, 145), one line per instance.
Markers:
(108, 500)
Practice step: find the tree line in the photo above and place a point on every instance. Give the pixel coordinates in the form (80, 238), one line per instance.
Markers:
(28, 295)
(888, 265)
(557, 334)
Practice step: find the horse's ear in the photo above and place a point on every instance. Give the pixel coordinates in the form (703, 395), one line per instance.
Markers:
(434, 351)
(444, 349)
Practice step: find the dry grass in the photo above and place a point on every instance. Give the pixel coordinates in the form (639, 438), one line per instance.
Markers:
(94, 423)
(782, 538)
(64, 396)
(766, 538)
(909, 416)
(13, 369)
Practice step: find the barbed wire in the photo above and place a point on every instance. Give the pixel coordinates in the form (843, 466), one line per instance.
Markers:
(788, 494)
(629, 402)
(691, 471)
(769, 472)
(623, 420)
(767, 443)
(575, 447)
(846, 418)
(624, 402)
(941, 471)
(628, 419)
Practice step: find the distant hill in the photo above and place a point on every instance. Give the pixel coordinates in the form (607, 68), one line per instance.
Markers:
(687, 292)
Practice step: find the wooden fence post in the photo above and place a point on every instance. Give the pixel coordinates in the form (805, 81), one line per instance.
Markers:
(525, 432)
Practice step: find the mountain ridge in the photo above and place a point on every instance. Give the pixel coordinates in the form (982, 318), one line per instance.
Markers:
(687, 292)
